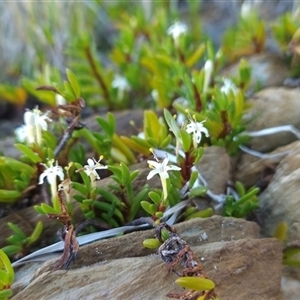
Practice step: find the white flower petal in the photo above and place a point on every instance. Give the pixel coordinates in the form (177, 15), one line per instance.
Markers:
(51, 177)
(90, 162)
(154, 164)
(42, 177)
(152, 173)
(60, 174)
(173, 168)
(29, 118)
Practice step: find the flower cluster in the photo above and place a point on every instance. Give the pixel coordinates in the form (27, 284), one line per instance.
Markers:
(196, 129)
(35, 121)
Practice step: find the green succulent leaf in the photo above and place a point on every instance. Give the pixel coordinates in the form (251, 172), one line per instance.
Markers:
(147, 207)
(281, 231)
(5, 265)
(29, 153)
(125, 174)
(5, 294)
(173, 125)
(155, 197)
(105, 127)
(11, 250)
(151, 243)
(240, 189)
(80, 188)
(35, 235)
(205, 213)
(195, 283)
(16, 240)
(136, 203)
(74, 83)
(109, 196)
(16, 230)
(8, 196)
(198, 191)
(246, 197)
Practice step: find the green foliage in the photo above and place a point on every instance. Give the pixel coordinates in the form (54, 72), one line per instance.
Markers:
(155, 135)
(48, 76)
(15, 176)
(223, 110)
(152, 60)
(247, 202)
(283, 30)
(192, 213)
(124, 179)
(115, 205)
(49, 83)
(153, 209)
(7, 276)
(12, 94)
(45, 209)
(286, 31)
(291, 256)
(20, 244)
(246, 38)
(107, 142)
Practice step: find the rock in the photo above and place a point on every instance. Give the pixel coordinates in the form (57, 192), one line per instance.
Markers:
(215, 160)
(253, 274)
(280, 201)
(290, 288)
(273, 107)
(120, 268)
(250, 169)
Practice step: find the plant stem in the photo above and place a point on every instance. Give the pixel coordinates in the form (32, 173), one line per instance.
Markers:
(98, 77)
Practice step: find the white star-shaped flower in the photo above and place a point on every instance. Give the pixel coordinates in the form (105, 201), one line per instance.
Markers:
(196, 129)
(121, 83)
(36, 118)
(161, 169)
(35, 121)
(51, 172)
(177, 29)
(91, 168)
(227, 86)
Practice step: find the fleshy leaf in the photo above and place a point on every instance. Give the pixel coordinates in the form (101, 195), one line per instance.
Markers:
(195, 283)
